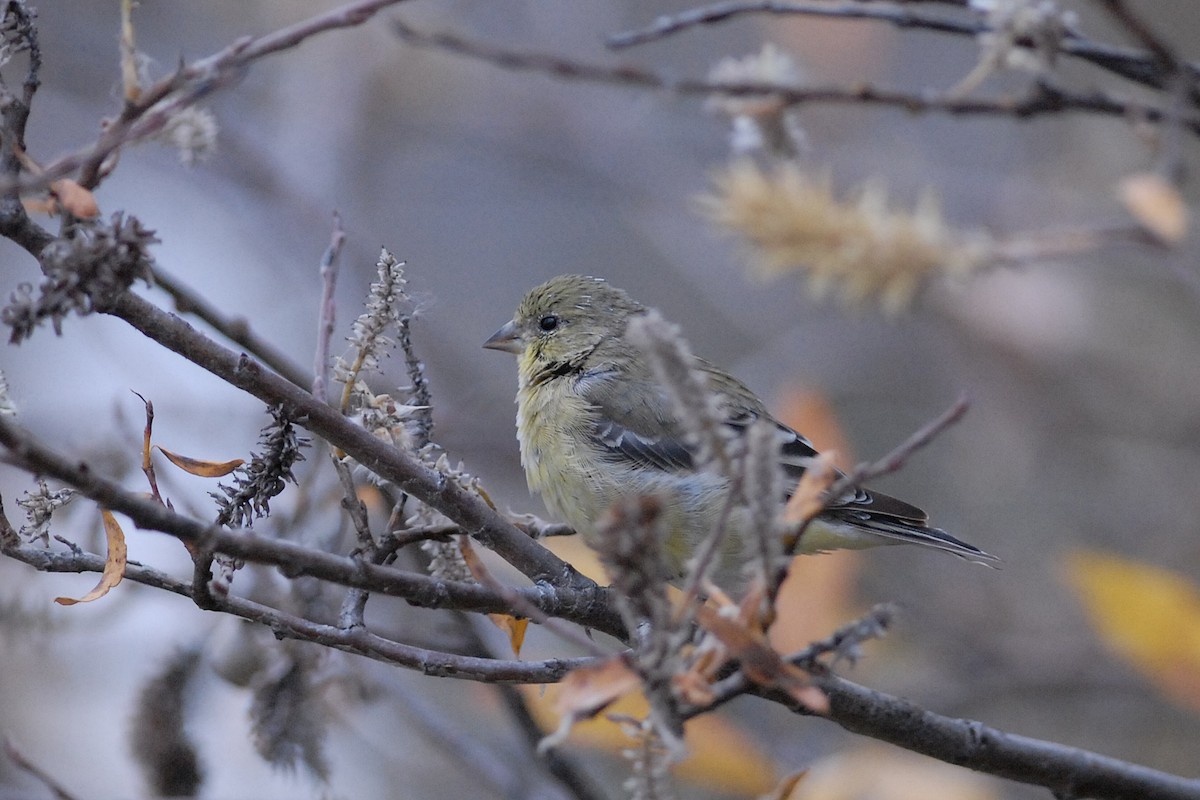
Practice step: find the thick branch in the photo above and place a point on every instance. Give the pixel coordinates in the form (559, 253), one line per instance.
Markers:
(587, 606)
(236, 329)
(1067, 771)
(289, 626)
(408, 474)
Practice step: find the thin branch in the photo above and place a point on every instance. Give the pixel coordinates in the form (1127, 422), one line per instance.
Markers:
(235, 329)
(899, 456)
(587, 607)
(158, 103)
(289, 626)
(1043, 99)
(1067, 771)
(23, 763)
(1132, 65)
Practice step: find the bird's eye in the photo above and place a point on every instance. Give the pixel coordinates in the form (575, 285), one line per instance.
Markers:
(548, 322)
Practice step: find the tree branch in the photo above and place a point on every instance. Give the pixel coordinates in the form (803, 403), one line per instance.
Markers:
(1045, 98)
(1067, 771)
(1133, 65)
(478, 519)
(156, 104)
(589, 607)
(289, 626)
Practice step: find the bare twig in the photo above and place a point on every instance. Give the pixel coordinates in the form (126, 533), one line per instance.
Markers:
(156, 104)
(1133, 65)
(289, 626)
(355, 603)
(235, 329)
(46, 779)
(327, 313)
(1044, 98)
(1067, 771)
(899, 456)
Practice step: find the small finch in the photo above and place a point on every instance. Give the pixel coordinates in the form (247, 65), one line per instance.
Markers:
(595, 425)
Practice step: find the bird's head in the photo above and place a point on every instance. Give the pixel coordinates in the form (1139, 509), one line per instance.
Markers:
(563, 321)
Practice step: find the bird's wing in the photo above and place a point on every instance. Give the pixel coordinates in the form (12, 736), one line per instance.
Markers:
(638, 428)
(633, 422)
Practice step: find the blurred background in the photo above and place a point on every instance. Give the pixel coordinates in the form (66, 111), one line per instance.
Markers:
(1084, 374)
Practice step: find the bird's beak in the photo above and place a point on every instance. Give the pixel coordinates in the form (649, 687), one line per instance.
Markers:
(506, 339)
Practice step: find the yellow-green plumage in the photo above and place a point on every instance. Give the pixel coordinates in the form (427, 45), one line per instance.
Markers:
(595, 425)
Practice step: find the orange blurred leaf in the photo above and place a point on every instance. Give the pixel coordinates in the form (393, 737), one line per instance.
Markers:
(75, 199)
(1156, 204)
(1148, 615)
(588, 690)
(721, 757)
(810, 413)
(882, 773)
(195, 466)
(114, 563)
(786, 786)
(816, 597)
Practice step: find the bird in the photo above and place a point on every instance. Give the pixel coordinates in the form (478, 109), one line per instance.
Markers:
(595, 425)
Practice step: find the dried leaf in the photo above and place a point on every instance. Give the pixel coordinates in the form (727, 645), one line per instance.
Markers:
(114, 563)
(589, 690)
(205, 469)
(759, 662)
(1148, 615)
(75, 199)
(514, 627)
(1156, 204)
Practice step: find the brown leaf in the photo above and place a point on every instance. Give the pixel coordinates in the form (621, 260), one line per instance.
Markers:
(114, 564)
(205, 469)
(759, 662)
(1156, 204)
(588, 690)
(75, 199)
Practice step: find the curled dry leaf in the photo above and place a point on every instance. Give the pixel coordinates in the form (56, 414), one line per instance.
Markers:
(114, 563)
(514, 627)
(1156, 204)
(205, 469)
(759, 661)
